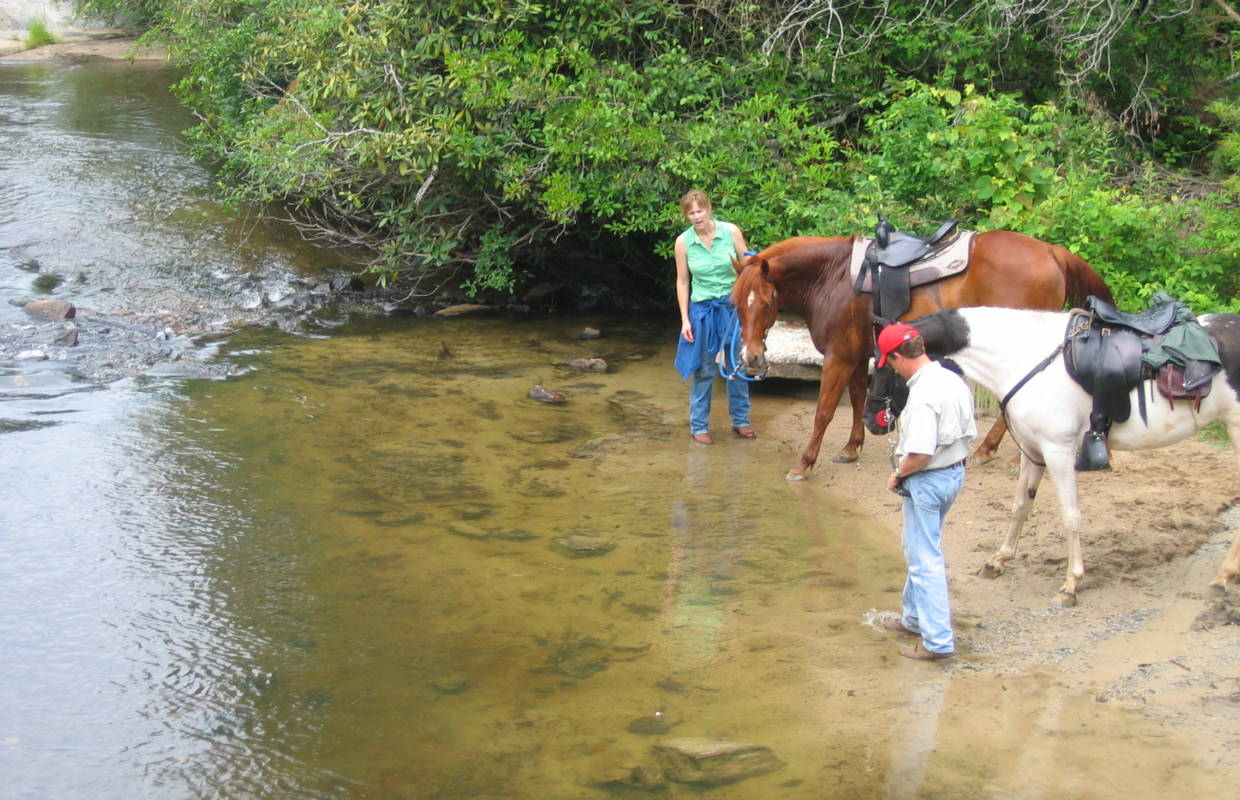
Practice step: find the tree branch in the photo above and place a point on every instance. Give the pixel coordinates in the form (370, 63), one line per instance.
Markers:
(1228, 10)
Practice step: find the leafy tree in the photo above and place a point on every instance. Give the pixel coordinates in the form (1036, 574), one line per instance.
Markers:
(503, 142)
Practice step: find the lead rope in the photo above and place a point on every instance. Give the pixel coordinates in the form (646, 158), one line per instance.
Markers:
(731, 356)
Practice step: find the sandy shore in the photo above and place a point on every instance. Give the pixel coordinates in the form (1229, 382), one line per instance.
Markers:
(75, 47)
(1148, 633)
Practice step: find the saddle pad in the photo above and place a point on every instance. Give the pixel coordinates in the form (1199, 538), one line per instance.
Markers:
(949, 261)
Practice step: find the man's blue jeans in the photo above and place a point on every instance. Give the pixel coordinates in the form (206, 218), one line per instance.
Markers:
(700, 392)
(926, 609)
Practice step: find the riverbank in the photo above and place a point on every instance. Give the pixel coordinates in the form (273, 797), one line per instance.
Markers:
(1148, 635)
(79, 46)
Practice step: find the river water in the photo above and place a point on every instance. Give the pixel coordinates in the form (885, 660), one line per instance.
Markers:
(339, 569)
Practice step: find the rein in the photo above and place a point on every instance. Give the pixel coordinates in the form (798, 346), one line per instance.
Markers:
(731, 355)
(1043, 364)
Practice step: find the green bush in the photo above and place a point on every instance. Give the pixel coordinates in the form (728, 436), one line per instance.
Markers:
(516, 141)
(37, 34)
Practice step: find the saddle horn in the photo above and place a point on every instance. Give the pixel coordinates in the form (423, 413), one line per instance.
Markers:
(882, 231)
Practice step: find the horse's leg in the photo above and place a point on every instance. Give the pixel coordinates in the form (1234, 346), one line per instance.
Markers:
(835, 375)
(1063, 472)
(1231, 564)
(1022, 504)
(986, 450)
(856, 398)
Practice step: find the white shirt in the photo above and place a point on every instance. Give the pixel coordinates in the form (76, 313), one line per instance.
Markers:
(938, 418)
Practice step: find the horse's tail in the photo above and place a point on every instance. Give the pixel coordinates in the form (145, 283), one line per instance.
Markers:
(1080, 280)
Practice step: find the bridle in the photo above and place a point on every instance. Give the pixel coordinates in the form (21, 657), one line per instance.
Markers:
(731, 355)
(731, 367)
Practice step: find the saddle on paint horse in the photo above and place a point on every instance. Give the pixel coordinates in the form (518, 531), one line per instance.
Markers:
(1109, 353)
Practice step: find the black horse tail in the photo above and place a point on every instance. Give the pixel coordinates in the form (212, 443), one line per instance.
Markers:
(1080, 280)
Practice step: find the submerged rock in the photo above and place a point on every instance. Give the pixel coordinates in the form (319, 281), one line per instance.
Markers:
(712, 762)
(544, 395)
(638, 776)
(584, 364)
(580, 545)
(454, 683)
(657, 723)
(462, 309)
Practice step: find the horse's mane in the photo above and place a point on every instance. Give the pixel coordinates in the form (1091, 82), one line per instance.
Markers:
(827, 256)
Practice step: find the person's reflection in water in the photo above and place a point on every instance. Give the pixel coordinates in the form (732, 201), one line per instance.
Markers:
(916, 734)
(711, 533)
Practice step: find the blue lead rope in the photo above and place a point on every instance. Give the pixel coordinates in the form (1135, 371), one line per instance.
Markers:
(731, 367)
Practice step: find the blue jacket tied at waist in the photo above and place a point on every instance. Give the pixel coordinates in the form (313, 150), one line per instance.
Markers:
(712, 322)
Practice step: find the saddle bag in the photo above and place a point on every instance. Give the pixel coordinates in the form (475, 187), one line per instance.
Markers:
(1172, 384)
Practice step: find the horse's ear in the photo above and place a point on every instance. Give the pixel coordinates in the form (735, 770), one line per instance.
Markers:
(737, 265)
(766, 269)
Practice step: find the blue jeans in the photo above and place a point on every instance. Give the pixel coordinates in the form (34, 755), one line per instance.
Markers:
(700, 392)
(926, 609)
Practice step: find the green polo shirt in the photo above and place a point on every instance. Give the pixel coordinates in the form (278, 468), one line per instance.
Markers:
(710, 271)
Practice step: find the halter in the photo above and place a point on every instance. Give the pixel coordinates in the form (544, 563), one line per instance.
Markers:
(731, 355)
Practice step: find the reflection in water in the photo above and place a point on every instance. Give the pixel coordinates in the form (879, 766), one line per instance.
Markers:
(917, 734)
(710, 533)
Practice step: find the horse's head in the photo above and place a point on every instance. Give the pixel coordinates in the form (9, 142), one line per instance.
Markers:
(884, 400)
(757, 305)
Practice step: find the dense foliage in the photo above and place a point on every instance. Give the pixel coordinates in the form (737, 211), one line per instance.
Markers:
(513, 141)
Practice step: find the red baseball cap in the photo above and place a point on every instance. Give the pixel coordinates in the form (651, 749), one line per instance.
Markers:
(892, 337)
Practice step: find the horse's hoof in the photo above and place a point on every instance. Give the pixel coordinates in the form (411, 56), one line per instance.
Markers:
(1065, 599)
(990, 571)
(980, 458)
(843, 458)
(793, 475)
(1217, 588)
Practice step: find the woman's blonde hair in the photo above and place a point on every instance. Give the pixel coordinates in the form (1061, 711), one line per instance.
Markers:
(694, 196)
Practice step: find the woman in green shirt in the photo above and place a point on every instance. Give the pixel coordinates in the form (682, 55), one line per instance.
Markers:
(704, 278)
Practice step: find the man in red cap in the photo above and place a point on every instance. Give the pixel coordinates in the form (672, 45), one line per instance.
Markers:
(936, 431)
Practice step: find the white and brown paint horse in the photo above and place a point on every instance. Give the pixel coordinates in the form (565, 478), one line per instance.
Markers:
(1048, 416)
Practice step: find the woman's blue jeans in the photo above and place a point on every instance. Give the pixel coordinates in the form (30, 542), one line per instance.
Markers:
(700, 393)
(926, 608)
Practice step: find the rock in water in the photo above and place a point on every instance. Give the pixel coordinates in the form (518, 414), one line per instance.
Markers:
(462, 309)
(584, 364)
(546, 395)
(579, 545)
(712, 762)
(57, 310)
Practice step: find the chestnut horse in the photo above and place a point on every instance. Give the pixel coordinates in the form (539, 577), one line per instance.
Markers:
(809, 276)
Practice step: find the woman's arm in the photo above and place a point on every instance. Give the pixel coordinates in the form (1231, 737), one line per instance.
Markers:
(683, 282)
(738, 241)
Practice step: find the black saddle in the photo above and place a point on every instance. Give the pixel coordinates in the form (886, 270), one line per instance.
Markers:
(1105, 353)
(899, 248)
(1153, 321)
(889, 260)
